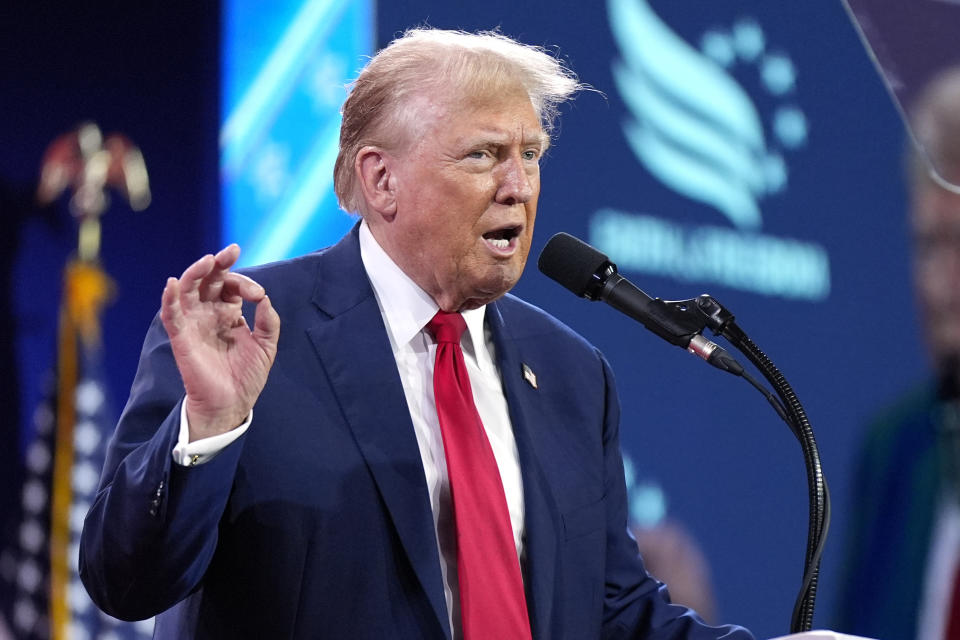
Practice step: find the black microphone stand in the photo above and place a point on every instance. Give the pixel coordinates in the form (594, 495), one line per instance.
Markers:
(681, 321)
(590, 274)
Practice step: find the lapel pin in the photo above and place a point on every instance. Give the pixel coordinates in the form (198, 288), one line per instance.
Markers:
(529, 375)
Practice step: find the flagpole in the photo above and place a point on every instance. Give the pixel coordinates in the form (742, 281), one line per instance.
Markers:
(83, 162)
(61, 492)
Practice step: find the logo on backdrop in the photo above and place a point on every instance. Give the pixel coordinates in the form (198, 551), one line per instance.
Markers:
(697, 130)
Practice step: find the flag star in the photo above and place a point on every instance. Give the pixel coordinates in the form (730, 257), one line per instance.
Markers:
(78, 598)
(78, 511)
(78, 631)
(24, 614)
(43, 419)
(38, 457)
(89, 397)
(86, 438)
(32, 536)
(29, 576)
(34, 496)
(85, 479)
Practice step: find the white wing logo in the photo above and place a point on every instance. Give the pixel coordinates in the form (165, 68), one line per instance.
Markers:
(694, 127)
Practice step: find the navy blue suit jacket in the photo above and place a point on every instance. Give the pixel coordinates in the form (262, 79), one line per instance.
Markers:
(316, 523)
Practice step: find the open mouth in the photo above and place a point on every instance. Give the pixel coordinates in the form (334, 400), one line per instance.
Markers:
(502, 239)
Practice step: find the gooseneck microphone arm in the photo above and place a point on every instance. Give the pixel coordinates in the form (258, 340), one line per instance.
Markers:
(819, 494)
(590, 274)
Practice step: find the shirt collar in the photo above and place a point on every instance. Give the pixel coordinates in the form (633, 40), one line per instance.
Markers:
(407, 308)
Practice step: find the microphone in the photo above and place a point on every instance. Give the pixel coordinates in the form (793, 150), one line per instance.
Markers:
(590, 274)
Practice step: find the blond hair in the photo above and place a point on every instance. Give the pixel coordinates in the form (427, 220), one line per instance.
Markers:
(423, 61)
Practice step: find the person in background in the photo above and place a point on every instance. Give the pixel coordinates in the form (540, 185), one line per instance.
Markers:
(903, 564)
(669, 550)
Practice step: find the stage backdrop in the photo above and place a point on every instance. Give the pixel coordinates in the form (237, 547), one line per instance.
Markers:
(741, 148)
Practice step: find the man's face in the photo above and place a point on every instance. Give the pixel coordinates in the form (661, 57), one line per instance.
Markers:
(935, 218)
(466, 194)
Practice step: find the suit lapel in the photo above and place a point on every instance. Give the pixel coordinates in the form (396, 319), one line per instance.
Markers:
(540, 510)
(353, 346)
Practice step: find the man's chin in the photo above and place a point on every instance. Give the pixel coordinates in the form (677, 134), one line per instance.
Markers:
(488, 290)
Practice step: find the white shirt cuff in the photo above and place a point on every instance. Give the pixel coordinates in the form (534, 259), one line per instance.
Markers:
(190, 454)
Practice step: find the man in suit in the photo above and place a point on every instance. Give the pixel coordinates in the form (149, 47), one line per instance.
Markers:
(311, 482)
(903, 560)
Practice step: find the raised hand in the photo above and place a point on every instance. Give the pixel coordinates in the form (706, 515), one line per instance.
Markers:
(224, 365)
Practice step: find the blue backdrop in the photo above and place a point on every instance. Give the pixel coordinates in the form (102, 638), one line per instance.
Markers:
(798, 180)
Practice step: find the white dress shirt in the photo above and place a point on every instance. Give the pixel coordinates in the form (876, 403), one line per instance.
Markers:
(406, 309)
(942, 562)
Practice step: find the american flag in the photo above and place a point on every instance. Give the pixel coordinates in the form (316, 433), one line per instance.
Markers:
(63, 464)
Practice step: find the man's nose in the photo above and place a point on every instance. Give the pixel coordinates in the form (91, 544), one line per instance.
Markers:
(516, 184)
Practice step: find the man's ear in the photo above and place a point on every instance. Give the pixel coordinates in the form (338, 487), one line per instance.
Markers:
(373, 167)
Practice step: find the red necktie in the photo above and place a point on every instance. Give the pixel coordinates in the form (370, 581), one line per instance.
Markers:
(953, 615)
(492, 603)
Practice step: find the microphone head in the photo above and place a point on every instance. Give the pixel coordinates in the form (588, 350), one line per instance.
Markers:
(575, 264)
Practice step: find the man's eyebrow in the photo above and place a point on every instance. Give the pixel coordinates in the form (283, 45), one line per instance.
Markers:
(500, 138)
(542, 138)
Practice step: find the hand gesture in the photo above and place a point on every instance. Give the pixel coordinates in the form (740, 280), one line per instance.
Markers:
(224, 365)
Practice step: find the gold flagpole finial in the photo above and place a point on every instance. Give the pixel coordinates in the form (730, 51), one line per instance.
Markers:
(85, 162)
